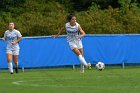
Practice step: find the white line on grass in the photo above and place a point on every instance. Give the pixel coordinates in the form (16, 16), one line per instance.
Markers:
(27, 83)
(108, 76)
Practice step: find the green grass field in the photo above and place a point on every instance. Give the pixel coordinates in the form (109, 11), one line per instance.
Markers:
(110, 80)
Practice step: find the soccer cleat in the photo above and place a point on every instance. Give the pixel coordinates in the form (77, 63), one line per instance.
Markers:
(11, 73)
(16, 69)
(89, 66)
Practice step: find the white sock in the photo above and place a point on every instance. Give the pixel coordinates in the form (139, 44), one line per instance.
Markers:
(82, 60)
(10, 66)
(82, 68)
(85, 61)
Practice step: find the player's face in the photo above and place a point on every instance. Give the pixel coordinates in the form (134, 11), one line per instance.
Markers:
(73, 20)
(11, 26)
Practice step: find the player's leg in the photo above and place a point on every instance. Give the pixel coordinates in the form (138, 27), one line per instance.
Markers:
(82, 61)
(16, 53)
(16, 63)
(82, 68)
(78, 53)
(74, 45)
(80, 48)
(81, 51)
(9, 60)
(74, 48)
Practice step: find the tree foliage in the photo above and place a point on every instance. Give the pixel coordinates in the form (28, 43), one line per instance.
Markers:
(47, 17)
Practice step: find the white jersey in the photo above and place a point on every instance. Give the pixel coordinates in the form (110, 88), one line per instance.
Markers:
(11, 37)
(72, 32)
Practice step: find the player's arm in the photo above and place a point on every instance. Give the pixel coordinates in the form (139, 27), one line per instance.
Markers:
(4, 38)
(59, 32)
(19, 38)
(15, 42)
(82, 33)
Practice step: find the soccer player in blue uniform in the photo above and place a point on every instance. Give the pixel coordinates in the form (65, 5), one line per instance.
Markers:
(12, 36)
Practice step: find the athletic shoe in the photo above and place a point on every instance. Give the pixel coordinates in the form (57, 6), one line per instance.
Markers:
(89, 66)
(11, 73)
(16, 69)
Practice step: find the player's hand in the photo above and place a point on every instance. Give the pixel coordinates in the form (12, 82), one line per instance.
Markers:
(3, 39)
(14, 43)
(79, 37)
(54, 36)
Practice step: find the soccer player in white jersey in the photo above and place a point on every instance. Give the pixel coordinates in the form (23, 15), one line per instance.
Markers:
(12, 36)
(74, 35)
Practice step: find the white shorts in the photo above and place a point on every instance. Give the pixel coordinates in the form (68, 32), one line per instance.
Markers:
(13, 52)
(75, 44)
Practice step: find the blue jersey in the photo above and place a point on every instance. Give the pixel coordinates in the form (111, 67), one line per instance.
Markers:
(72, 32)
(12, 36)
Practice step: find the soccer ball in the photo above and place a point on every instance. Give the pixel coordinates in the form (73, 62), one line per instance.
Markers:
(100, 66)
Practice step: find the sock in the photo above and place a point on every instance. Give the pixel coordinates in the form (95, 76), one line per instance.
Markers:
(85, 61)
(10, 66)
(82, 68)
(82, 60)
(16, 67)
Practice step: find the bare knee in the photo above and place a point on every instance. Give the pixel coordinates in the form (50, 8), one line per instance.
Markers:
(9, 58)
(76, 51)
(81, 51)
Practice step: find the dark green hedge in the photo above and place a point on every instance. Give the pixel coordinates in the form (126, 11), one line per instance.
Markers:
(46, 17)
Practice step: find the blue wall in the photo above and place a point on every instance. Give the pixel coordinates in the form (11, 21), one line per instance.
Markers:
(48, 51)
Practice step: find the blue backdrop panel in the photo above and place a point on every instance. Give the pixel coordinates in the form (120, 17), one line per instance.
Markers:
(3, 60)
(48, 51)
